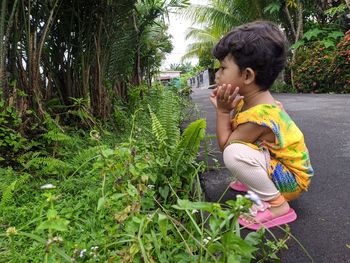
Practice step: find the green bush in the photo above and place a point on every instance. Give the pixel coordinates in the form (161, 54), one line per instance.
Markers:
(341, 64)
(323, 69)
(282, 87)
(11, 141)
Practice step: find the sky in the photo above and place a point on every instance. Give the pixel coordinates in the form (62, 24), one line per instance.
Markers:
(177, 29)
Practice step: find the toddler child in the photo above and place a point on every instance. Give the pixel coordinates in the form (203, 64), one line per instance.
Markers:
(262, 147)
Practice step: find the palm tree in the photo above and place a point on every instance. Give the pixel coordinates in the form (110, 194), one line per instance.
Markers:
(216, 19)
(205, 39)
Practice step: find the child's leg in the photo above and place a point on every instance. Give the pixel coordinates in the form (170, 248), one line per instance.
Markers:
(249, 166)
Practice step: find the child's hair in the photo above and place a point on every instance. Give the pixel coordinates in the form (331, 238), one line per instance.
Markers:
(259, 45)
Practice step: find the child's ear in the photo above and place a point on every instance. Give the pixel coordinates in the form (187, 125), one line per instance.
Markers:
(249, 76)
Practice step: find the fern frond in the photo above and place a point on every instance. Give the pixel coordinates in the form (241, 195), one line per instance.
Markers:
(84, 156)
(9, 190)
(56, 136)
(187, 149)
(48, 165)
(157, 129)
(7, 194)
(168, 117)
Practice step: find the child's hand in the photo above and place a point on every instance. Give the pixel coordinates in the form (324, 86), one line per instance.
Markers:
(227, 98)
(213, 97)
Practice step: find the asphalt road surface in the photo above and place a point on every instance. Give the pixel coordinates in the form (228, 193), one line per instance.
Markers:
(323, 224)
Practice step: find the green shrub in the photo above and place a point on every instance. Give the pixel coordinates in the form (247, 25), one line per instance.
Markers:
(321, 69)
(341, 64)
(11, 141)
(282, 87)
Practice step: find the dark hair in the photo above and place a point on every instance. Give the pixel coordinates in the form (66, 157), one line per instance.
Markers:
(260, 45)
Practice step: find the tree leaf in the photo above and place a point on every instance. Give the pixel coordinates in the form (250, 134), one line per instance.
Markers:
(315, 32)
(335, 34)
(272, 8)
(327, 43)
(297, 44)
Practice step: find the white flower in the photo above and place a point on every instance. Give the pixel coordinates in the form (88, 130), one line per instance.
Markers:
(47, 186)
(194, 211)
(254, 197)
(58, 239)
(150, 186)
(206, 240)
(82, 252)
(149, 216)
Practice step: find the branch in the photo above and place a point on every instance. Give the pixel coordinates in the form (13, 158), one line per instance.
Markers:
(46, 29)
(289, 18)
(299, 33)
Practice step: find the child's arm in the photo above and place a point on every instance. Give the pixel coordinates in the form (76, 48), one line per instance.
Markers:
(225, 98)
(246, 132)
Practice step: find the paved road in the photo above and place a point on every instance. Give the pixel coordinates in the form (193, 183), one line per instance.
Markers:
(323, 225)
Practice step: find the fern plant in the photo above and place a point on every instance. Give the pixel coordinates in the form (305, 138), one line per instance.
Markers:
(8, 190)
(157, 128)
(165, 128)
(168, 117)
(46, 165)
(187, 148)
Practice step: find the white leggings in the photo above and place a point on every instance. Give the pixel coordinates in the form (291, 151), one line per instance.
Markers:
(249, 166)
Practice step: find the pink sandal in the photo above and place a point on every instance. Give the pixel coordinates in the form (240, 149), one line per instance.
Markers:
(238, 186)
(264, 218)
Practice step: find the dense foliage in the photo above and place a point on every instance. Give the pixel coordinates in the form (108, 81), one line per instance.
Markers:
(58, 52)
(124, 197)
(323, 69)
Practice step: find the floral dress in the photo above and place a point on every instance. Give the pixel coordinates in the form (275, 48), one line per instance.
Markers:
(289, 166)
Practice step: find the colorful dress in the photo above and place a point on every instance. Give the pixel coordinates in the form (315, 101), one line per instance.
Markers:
(290, 168)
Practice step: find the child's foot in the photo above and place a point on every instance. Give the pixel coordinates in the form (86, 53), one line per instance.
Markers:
(267, 216)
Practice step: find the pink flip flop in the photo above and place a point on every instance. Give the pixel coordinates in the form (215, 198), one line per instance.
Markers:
(266, 219)
(237, 186)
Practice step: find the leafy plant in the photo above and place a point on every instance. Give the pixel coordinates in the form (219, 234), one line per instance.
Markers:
(11, 141)
(321, 69)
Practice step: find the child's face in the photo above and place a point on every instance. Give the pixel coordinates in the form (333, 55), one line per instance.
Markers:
(229, 73)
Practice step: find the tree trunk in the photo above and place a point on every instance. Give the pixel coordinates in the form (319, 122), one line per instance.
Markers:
(99, 98)
(291, 23)
(137, 67)
(4, 46)
(136, 80)
(149, 76)
(298, 36)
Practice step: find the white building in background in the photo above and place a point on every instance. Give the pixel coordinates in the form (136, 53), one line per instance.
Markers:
(166, 76)
(203, 79)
